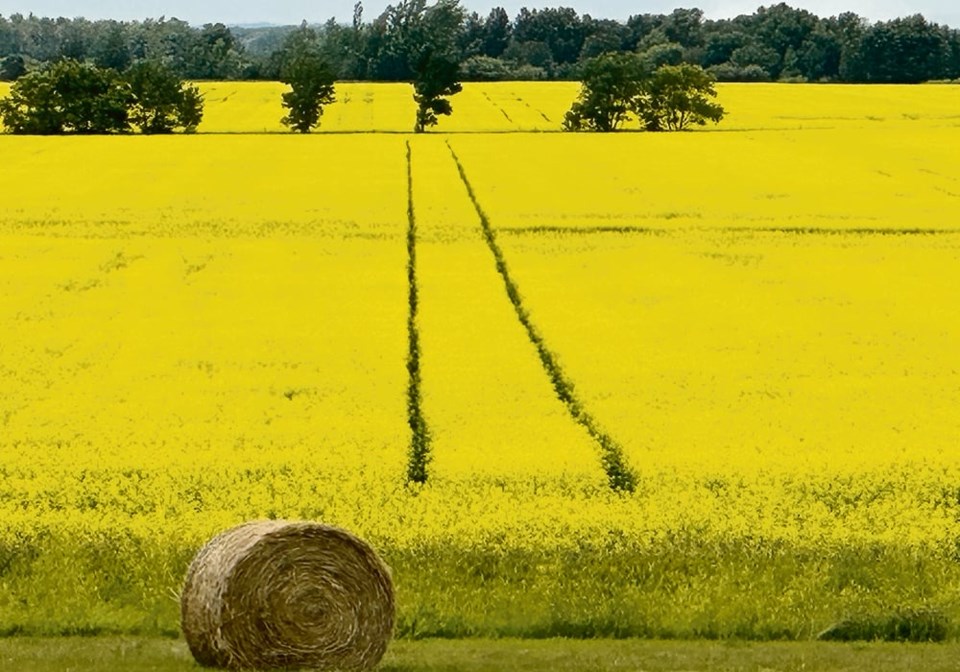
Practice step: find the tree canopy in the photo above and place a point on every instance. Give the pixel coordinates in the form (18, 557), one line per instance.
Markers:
(616, 87)
(420, 43)
(159, 101)
(434, 59)
(73, 97)
(611, 84)
(675, 97)
(310, 79)
(437, 79)
(67, 97)
(776, 42)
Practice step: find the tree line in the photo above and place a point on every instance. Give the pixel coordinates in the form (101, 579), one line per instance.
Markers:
(147, 94)
(70, 96)
(774, 43)
(73, 97)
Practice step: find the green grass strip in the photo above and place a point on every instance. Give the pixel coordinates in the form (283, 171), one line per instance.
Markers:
(110, 654)
(619, 474)
(419, 456)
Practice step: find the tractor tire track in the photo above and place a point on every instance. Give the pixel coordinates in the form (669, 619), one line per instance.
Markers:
(619, 475)
(419, 453)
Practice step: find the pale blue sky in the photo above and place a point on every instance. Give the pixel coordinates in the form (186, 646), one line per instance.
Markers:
(293, 11)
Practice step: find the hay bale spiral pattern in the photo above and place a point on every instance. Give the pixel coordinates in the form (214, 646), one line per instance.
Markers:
(276, 594)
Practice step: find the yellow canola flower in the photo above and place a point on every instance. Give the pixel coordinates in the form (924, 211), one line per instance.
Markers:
(237, 107)
(747, 351)
(838, 106)
(209, 329)
(149, 323)
(255, 107)
(873, 178)
(166, 186)
(489, 405)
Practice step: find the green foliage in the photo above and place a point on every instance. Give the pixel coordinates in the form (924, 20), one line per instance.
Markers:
(437, 78)
(785, 42)
(757, 54)
(12, 68)
(486, 69)
(312, 82)
(676, 97)
(496, 32)
(616, 86)
(610, 85)
(434, 57)
(725, 72)
(561, 29)
(904, 51)
(619, 474)
(664, 53)
(73, 97)
(160, 102)
(419, 454)
(67, 97)
(190, 109)
(110, 50)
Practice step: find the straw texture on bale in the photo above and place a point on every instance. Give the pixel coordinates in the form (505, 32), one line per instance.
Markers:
(276, 594)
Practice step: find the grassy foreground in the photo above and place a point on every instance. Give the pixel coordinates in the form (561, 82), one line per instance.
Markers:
(167, 655)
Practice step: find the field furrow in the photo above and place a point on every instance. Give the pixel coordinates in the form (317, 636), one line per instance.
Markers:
(619, 475)
(756, 351)
(491, 409)
(710, 338)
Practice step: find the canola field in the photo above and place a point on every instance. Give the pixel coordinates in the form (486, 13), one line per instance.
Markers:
(760, 317)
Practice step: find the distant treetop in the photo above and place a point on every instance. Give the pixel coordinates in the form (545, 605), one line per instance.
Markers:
(776, 42)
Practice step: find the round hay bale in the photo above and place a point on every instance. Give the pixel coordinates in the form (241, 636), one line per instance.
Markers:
(277, 594)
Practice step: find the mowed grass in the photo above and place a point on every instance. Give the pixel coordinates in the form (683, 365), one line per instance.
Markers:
(121, 654)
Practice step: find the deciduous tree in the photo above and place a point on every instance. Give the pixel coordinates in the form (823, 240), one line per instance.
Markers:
(616, 86)
(430, 38)
(676, 97)
(610, 84)
(310, 79)
(12, 68)
(160, 101)
(67, 97)
(438, 78)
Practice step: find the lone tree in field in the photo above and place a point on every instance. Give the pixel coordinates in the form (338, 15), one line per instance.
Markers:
(437, 79)
(419, 43)
(676, 97)
(616, 87)
(310, 79)
(160, 101)
(611, 83)
(435, 59)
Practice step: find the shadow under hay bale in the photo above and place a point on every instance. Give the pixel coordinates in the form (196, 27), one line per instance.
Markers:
(906, 625)
(276, 594)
